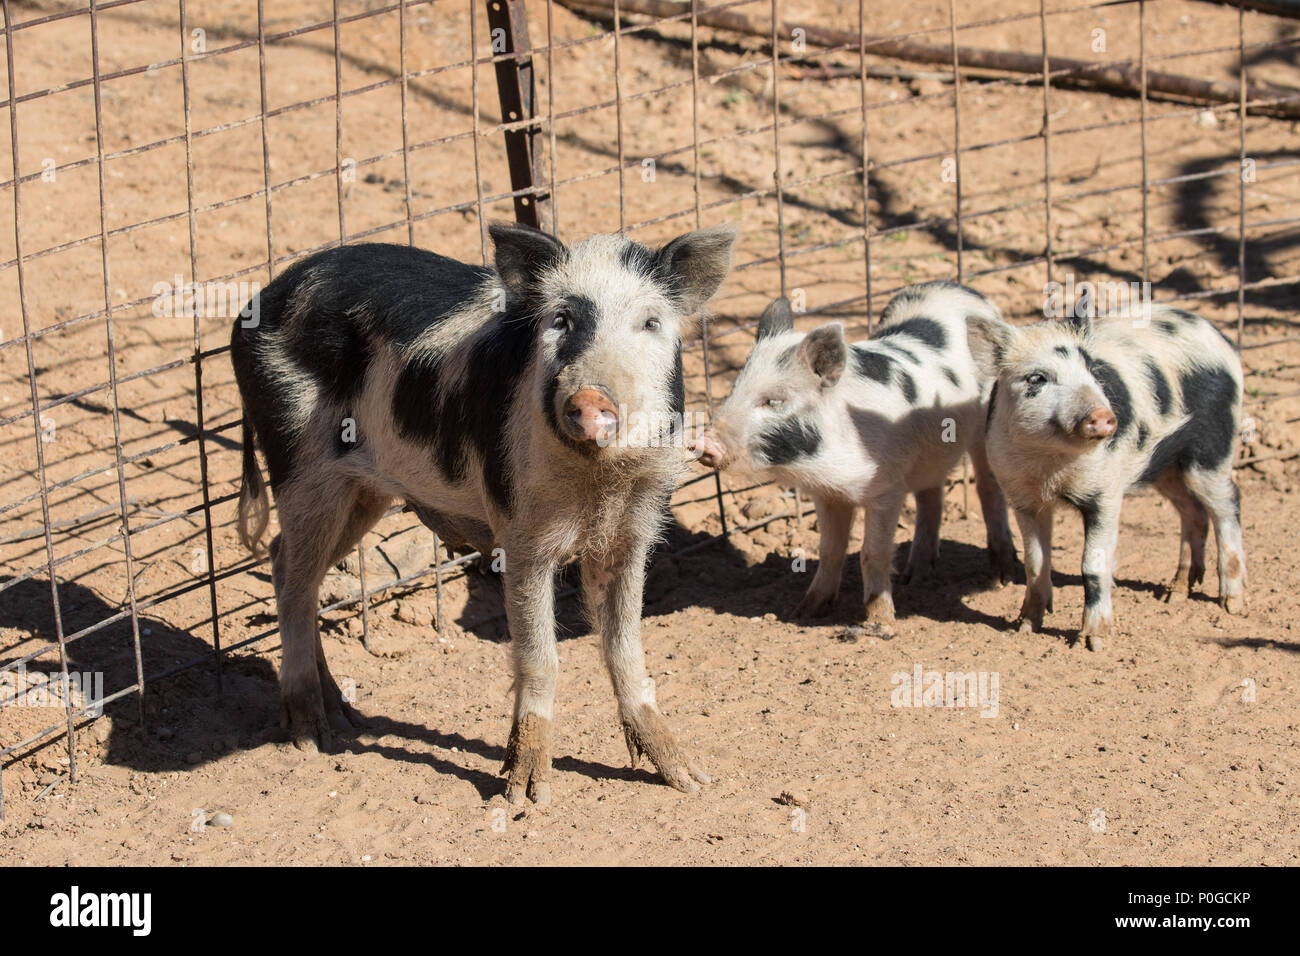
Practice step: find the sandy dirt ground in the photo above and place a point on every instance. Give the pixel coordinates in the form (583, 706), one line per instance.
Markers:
(1177, 744)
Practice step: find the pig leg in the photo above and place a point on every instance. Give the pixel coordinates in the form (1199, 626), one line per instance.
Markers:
(613, 588)
(993, 505)
(1222, 498)
(878, 558)
(1100, 535)
(1195, 524)
(1036, 537)
(924, 552)
(530, 612)
(320, 521)
(834, 520)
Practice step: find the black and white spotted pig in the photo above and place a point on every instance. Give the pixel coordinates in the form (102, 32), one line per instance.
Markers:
(861, 425)
(1084, 411)
(494, 402)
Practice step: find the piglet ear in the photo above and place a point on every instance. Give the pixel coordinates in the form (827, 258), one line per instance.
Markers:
(522, 254)
(695, 264)
(989, 339)
(776, 318)
(824, 351)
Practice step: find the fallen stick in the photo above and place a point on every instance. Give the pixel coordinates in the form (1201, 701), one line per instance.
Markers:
(1125, 78)
(1286, 455)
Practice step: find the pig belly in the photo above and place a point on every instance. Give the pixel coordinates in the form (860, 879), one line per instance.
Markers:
(458, 532)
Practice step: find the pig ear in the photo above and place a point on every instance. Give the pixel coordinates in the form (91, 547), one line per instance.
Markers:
(522, 254)
(695, 264)
(824, 351)
(989, 339)
(776, 318)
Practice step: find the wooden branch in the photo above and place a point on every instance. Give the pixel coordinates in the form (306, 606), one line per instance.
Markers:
(1124, 78)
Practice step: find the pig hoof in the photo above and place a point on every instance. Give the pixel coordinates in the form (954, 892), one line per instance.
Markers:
(307, 726)
(1234, 604)
(528, 760)
(342, 716)
(1027, 626)
(1004, 567)
(814, 605)
(921, 574)
(1175, 594)
(646, 733)
(880, 612)
(1094, 632)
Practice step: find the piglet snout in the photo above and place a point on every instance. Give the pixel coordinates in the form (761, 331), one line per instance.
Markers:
(591, 414)
(708, 450)
(1099, 423)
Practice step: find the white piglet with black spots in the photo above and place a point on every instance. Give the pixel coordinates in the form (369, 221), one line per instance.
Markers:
(861, 425)
(1084, 411)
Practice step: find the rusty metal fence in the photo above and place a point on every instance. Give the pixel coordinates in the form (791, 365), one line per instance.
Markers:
(709, 47)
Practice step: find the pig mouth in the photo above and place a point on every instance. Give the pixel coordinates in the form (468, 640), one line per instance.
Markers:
(708, 451)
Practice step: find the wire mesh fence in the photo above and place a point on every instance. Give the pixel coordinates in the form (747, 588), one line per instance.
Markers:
(169, 157)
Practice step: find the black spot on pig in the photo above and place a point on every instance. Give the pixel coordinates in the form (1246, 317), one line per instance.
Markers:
(581, 318)
(1062, 350)
(993, 397)
(1116, 392)
(637, 258)
(499, 355)
(902, 352)
(1091, 590)
(1167, 327)
(871, 364)
(1143, 434)
(789, 441)
(1089, 507)
(1210, 397)
(926, 331)
(417, 408)
(453, 421)
(908, 385)
(1159, 387)
(1208, 437)
(951, 376)
(677, 390)
(343, 286)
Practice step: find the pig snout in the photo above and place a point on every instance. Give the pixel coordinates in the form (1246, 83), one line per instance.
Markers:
(591, 415)
(709, 450)
(1097, 424)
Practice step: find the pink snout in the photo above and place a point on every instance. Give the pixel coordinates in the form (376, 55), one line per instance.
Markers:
(1099, 423)
(709, 450)
(592, 415)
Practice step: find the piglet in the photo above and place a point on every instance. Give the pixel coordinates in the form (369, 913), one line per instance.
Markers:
(861, 425)
(1084, 411)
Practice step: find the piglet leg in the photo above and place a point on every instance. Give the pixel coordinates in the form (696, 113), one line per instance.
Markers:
(834, 519)
(878, 559)
(1036, 536)
(1100, 535)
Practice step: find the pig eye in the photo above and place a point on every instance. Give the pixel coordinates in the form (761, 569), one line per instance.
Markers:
(561, 321)
(1035, 379)
(773, 402)
(652, 325)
